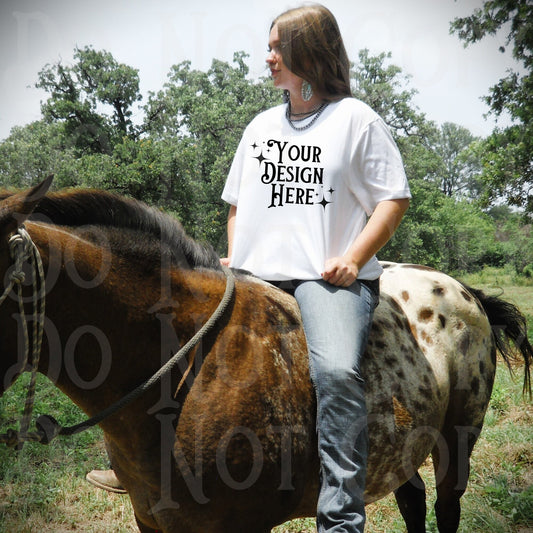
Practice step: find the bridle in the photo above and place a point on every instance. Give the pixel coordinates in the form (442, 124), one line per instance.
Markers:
(22, 248)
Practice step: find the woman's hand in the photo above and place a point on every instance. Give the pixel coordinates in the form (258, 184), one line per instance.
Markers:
(343, 271)
(340, 271)
(224, 261)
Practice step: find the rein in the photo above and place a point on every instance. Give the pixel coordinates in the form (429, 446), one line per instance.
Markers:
(47, 428)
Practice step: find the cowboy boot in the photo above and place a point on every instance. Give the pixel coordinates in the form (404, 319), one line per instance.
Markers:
(105, 479)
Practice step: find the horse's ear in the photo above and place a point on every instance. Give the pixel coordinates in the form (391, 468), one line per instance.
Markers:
(15, 209)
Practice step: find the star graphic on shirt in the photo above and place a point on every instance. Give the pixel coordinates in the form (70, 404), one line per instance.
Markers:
(254, 146)
(260, 157)
(324, 203)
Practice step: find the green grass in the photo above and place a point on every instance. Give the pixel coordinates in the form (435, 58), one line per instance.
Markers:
(43, 488)
(506, 284)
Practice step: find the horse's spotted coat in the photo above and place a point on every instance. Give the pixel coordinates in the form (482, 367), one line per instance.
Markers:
(236, 449)
(413, 374)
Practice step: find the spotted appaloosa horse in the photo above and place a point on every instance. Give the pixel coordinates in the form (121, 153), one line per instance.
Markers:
(235, 450)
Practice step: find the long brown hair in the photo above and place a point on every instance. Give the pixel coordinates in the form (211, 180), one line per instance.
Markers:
(311, 46)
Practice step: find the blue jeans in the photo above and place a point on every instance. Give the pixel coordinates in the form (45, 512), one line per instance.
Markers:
(337, 323)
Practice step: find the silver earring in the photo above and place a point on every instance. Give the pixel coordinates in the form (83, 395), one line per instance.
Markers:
(307, 91)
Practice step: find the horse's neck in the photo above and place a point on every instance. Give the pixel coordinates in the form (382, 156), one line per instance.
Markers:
(106, 337)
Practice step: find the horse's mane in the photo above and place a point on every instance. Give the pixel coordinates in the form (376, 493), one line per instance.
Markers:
(133, 228)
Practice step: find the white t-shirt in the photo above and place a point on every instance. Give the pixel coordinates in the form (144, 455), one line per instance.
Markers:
(303, 196)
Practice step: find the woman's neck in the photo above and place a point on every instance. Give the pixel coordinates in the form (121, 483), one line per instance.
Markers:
(299, 106)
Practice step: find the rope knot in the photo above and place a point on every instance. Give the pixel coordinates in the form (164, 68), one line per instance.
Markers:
(20, 245)
(10, 438)
(17, 276)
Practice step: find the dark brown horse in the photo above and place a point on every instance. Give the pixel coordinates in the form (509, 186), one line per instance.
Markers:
(232, 448)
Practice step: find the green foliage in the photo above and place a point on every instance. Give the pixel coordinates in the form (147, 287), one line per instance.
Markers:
(200, 117)
(30, 153)
(78, 92)
(506, 154)
(515, 506)
(507, 166)
(517, 241)
(499, 401)
(178, 157)
(448, 234)
(383, 88)
(457, 176)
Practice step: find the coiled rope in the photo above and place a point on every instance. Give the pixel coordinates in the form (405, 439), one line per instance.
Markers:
(22, 249)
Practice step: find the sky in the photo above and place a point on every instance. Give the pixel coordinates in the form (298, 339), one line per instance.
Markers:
(153, 35)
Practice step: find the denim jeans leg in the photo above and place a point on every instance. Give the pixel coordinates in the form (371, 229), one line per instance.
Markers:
(336, 323)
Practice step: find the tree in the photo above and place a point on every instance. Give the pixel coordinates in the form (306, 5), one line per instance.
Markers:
(444, 233)
(202, 116)
(179, 157)
(506, 155)
(516, 238)
(457, 175)
(35, 151)
(384, 89)
(80, 94)
(30, 152)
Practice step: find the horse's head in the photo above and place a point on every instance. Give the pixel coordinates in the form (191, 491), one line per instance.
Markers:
(14, 211)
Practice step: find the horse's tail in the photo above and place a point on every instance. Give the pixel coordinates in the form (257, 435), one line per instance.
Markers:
(508, 324)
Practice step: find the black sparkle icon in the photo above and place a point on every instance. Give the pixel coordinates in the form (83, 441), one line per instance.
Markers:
(325, 202)
(260, 157)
